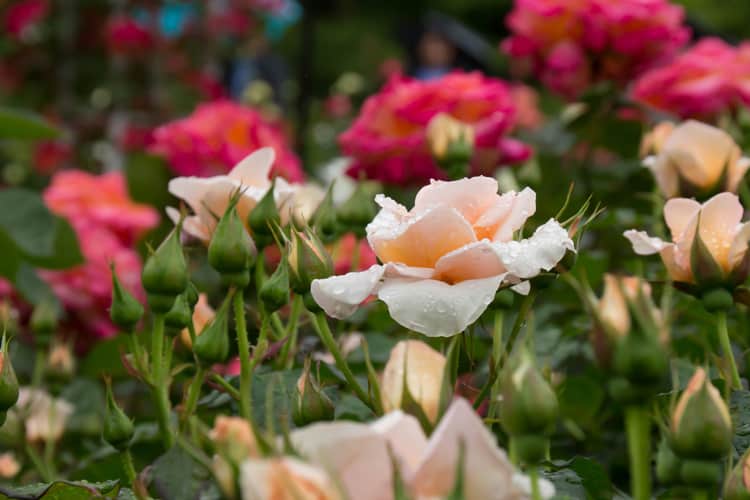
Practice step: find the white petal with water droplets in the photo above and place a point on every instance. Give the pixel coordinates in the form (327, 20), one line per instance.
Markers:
(546, 247)
(643, 244)
(340, 296)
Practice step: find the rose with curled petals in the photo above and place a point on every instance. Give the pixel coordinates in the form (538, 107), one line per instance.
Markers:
(694, 158)
(709, 241)
(444, 259)
(209, 197)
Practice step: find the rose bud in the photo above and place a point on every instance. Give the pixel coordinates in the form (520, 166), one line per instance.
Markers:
(234, 439)
(701, 424)
(451, 143)
(413, 379)
(695, 159)
(44, 319)
(165, 273)
(286, 478)
(9, 466)
(180, 315)
(357, 211)
(264, 218)
(668, 465)
(324, 220)
(8, 380)
(203, 315)
(212, 345)
(117, 428)
(312, 404)
(126, 311)
(709, 243)
(274, 292)
(308, 260)
(192, 296)
(653, 141)
(232, 251)
(60, 362)
(529, 409)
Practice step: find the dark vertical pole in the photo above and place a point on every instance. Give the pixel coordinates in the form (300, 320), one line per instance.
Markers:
(305, 79)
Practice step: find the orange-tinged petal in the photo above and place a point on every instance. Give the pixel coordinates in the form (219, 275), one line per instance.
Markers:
(473, 261)
(678, 213)
(699, 152)
(719, 221)
(612, 307)
(471, 197)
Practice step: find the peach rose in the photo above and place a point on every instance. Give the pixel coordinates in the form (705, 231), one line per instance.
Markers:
(209, 197)
(285, 478)
(716, 225)
(234, 438)
(696, 157)
(612, 308)
(358, 456)
(44, 417)
(444, 260)
(419, 366)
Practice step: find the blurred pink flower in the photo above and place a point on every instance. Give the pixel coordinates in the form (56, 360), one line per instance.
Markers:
(343, 250)
(88, 200)
(570, 44)
(706, 80)
(20, 16)
(387, 140)
(526, 101)
(217, 136)
(107, 223)
(126, 36)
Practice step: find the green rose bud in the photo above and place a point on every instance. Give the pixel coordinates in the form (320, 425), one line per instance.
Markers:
(126, 311)
(701, 425)
(264, 218)
(308, 260)
(232, 251)
(44, 319)
(275, 290)
(165, 273)
(356, 212)
(311, 404)
(117, 428)
(191, 295)
(212, 344)
(180, 315)
(8, 380)
(668, 465)
(324, 220)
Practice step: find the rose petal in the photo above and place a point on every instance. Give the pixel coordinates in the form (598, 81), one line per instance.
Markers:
(487, 471)
(643, 244)
(470, 196)
(340, 296)
(435, 308)
(191, 224)
(405, 438)
(678, 214)
(507, 216)
(253, 170)
(473, 261)
(719, 221)
(665, 175)
(353, 453)
(739, 245)
(699, 152)
(737, 171)
(419, 241)
(546, 247)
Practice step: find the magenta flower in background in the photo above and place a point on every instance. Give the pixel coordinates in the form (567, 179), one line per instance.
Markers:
(710, 78)
(570, 44)
(108, 224)
(217, 136)
(387, 140)
(20, 16)
(126, 36)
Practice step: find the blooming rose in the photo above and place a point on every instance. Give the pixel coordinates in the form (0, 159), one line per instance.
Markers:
(108, 224)
(695, 158)
(358, 457)
(285, 478)
(701, 83)
(217, 136)
(387, 140)
(709, 241)
(209, 197)
(570, 44)
(43, 416)
(444, 260)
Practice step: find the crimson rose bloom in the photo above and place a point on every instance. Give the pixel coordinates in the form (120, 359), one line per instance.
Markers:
(387, 140)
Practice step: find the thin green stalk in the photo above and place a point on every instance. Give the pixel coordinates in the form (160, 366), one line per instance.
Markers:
(278, 326)
(534, 477)
(38, 463)
(638, 428)
(726, 346)
(285, 360)
(127, 463)
(497, 354)
(193, 393)
(513, 451)
(324, 332)
(39, 363)
(160, 386)
(243, 347)
(228, 388)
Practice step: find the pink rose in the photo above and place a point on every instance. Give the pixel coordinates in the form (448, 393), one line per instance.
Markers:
(570, 44)
(22, 15)
(126, 36)
(388, 142)
(217, 136)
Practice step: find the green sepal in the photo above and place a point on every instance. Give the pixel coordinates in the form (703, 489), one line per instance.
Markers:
(264, 217)
(706, 270)
(180, 315)
(126, 311)
(275, 290)
(231, 249)
(165, 272)
(212, 345)
(324, 221)
(8, 379)
(117, 428)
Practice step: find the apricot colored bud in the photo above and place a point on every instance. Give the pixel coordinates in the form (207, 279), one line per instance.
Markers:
(234, 439)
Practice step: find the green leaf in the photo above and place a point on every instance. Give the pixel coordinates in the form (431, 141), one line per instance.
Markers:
(62, 490)
(65, 253)
(27, 221)
(580, 478)
(173, 475)
(580, 398)
(22, 124)
(351, 408)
